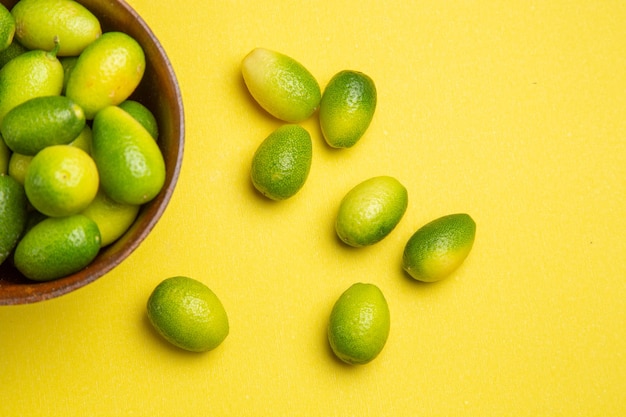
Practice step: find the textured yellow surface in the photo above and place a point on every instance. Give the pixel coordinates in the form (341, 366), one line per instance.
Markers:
(514, 112)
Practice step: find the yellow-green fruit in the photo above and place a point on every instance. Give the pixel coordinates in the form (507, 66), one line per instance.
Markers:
(5, 156)
(106, 73)
(281, 164)
(347, 108)
(56, 247)
(7, 27)
(61, 180)
(41, 122)
(29, 75)
(18, 166)
(438, 248)
(143, 115)
(13, 214)
(188, 314)
(112, 218)
(131, 165)
(281, 85)
(40, 22)
(371, 210)
(359, 324)
(10, 52)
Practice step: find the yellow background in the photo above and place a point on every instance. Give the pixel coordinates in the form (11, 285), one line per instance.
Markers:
(514, 112)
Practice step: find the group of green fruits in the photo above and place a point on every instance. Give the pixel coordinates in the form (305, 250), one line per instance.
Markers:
(78, 156)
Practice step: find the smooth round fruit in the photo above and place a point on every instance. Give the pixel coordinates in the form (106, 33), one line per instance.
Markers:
(106, 73)
(347, 108)
(359, 324)
(131, 165)
(112, 218)
(29, 75)
(61, 180)
(438, 248)
(281, 85)
(13, 214)
(41, 122)
(39, 22)
(188, 314)
(371, 210)
(18, 166)
(56, 247)
(281, 164)
(7, 27)
(143, 115)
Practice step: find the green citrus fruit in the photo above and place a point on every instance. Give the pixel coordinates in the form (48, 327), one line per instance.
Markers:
(112, 218)
(106, 73)
(83, 140)
(188, 314)
(40, 122)
(347, 108)
(438, 248)
(32, 74)
(281, 85)
(13, 214)
(131, 165)
(281, 164)
(359, 324)
(61, 180)
(10, 52)
(56, 247)
(143, 115)
(371, 210)
(18, 166)
(39, 22)
(7, 27)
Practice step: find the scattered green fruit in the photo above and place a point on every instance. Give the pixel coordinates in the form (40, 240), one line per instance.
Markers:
(13, 214)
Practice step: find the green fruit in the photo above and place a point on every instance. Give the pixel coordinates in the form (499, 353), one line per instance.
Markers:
(7, 27)
(29, 75)
(359, 324)
(10, 52)
(106, 73)
(281, 85)
(282, 162)
(56, 247)
(188, 314)
(83, 140)
(41, 122)
(371, 210)
(347, 108)
(112, 218)
(39, 22)
(18, 166)
(143, 115)
(438, 248)
(131, 165)
(13, 214)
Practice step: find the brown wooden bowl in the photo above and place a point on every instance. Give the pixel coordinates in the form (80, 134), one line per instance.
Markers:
(160, 92)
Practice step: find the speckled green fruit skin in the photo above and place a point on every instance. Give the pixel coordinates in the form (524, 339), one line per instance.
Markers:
(281, 164)
(438, 248)
(359, 324)
(281, 85)
(56, 247)
(29, 75)
(371, 210)
(13, 214)
(41, 122)
(188, 314)
(10, 52)
(347, 108)
(7, 27)
(130, 163)
(39, 22)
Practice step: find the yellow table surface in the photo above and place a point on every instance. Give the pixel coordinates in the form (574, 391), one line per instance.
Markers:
(514, 112)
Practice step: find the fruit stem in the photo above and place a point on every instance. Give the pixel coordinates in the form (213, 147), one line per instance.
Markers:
(53, 53)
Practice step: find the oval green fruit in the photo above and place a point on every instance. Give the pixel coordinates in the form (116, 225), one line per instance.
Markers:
(29, 75)
(143, 115)
(106, 73)
(371, 210)
(13, 214)
(7, 27)
(359, 324)
(347, 108)
(112, 218)
(40, 22)
(18, 166)
(281, 164)
(281, 85)
(438, 248)
(56, 247)
(130, 163)
(41, 122)
(10, 52)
